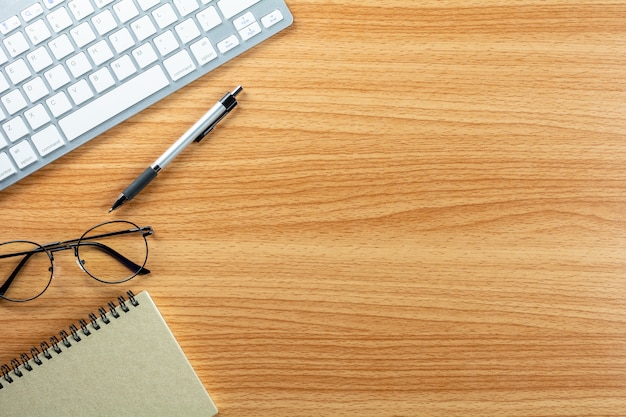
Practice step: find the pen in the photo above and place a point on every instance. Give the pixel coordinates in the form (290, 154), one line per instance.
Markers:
(195, 134)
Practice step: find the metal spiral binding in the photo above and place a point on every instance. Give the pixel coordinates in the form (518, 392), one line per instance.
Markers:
(16, 367)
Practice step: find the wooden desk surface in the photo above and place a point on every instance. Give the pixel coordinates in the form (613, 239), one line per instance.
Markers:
(418, 208)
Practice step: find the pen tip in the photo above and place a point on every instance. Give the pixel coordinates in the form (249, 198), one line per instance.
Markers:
(120, 200)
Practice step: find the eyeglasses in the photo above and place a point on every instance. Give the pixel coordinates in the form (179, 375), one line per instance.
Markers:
(112, 252)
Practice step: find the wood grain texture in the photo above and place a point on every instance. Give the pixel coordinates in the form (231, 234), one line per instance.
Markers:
(416, 209)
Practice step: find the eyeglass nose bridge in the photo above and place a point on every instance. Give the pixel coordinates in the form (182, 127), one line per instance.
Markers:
(57, 246)
(61, 246)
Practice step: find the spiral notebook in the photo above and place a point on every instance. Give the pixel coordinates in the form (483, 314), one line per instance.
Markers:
(121, 361)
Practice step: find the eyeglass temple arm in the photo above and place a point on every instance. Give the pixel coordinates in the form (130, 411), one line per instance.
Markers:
(146, 231)
(119, 257)
(5, 287)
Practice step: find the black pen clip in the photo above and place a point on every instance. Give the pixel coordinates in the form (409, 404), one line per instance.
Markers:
(206, 132)
(229, 102)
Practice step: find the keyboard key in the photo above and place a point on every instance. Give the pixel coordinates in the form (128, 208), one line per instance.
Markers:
(104, 22)
(6, 166)
(82, 34)
(228, 44)
(59, 104)
(57, 77)
(271, 19)
(147, 4)
(102, 80)
(143, 28)
(125, 10)
(18, 71)
(164, 16)
(39, 59)
(186, 7)
(9, 25)
(209, 19)
(122, 40)
(23, 154)
(102, 3)
(187, 31)
(50, 4)
(203, 51)
(81, 8)
(61, 47)
(250, 31)
(179, 65)
(166, 43)
(48, 140)
(32, 12)
(100, 52)
(16, 44)
(59, 20)
(114, 102)
(38, 32)
(123, 67)
(145, 55)
(78, 65)
(36, 89)
(80, 92)
(13, 102)
(231, 8)
(243, 21)
(37, 116)
(15, 129)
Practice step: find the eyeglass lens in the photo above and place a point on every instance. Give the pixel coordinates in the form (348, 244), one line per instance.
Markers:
(25, 270)
(113, 252)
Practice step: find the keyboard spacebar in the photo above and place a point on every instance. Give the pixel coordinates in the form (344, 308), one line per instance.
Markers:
(114, 102)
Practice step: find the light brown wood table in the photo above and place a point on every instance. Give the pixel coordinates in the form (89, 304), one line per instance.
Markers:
(418, 208)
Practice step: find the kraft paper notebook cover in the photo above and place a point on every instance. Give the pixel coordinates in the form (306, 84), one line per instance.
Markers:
(131, 366)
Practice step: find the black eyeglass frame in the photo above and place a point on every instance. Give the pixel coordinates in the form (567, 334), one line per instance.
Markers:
(75, 244)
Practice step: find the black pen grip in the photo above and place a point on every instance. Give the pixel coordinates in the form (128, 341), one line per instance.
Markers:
(144, 179)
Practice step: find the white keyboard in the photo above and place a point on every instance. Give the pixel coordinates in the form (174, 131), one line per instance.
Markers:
(71, 69)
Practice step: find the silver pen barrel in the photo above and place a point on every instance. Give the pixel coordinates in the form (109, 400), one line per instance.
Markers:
(212, 116)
